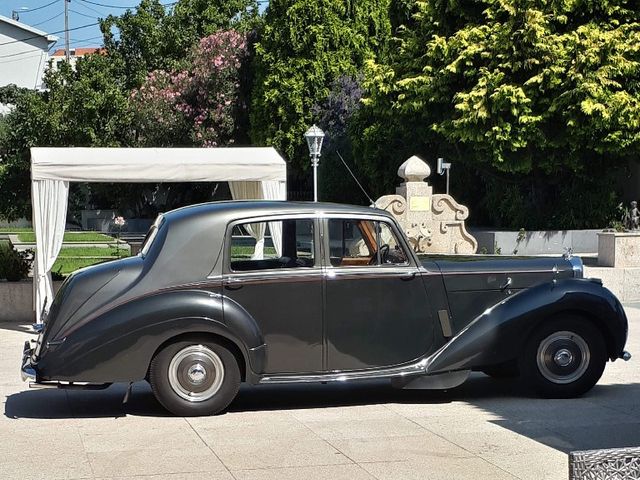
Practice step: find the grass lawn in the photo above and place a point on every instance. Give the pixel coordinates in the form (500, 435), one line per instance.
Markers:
(71, 259)
(15, 229)
(93, 237)
(92, 252)
(65, 266)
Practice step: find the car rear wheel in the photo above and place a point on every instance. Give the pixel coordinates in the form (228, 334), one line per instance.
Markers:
(194, 377)
(564, 358)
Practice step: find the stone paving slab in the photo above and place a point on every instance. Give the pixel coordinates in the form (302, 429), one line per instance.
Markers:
(485, 429)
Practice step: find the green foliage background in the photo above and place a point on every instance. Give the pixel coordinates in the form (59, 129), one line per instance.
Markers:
(535, 102)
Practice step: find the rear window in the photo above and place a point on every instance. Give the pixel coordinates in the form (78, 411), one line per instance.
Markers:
(151, 235)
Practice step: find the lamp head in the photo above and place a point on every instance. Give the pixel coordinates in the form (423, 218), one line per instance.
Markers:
(314, 138)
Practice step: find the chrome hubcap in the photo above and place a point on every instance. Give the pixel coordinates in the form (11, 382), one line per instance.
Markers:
(196, 373)
(563, 357)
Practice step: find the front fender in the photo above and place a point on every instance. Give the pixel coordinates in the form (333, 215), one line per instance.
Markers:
(499, 333)
(118, 345)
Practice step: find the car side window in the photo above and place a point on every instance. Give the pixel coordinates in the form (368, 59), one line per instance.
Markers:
(363, 242)
(272, 245)
(391, 250)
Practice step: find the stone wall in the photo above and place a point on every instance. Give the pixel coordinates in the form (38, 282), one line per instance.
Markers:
(538, 242)
(16, 301)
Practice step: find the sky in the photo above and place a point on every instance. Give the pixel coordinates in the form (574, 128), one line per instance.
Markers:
(48, 15)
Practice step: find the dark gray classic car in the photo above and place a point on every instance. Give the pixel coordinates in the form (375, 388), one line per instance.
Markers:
(334, 294)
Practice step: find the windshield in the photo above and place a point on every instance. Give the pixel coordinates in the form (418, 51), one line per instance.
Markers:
(151, 235)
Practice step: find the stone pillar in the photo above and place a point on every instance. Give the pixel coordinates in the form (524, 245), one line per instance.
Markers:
(434, 223)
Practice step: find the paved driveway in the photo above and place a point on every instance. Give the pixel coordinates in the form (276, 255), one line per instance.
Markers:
(484, 429)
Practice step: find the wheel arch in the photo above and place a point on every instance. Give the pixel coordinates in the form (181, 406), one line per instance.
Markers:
(596, 321)
(226, 342)
(499, 333)
(118, 345)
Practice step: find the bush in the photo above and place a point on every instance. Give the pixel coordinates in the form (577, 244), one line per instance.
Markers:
(14, 266)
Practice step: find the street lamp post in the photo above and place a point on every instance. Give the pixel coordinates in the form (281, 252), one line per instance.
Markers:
(15, 14)
(314, 138)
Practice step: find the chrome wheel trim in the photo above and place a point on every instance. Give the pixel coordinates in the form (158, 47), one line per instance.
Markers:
(563, 357)
(196, 373)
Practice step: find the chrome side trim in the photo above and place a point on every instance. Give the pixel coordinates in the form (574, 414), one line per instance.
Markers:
(68, 385)
(416, 368)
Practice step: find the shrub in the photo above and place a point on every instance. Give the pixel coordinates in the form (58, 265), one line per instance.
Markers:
(14, 266)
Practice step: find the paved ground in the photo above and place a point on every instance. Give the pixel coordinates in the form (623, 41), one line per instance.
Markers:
(484, 429)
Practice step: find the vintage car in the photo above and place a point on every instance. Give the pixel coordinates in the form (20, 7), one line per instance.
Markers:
(335, 294)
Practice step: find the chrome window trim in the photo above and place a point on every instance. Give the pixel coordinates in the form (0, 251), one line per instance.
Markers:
(412, 261)
(226, 265)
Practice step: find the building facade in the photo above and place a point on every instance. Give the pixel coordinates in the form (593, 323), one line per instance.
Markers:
(24, 52)
(74, 54)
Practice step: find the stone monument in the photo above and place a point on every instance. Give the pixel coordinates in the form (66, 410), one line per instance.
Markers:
(434, 223)
(622, 249)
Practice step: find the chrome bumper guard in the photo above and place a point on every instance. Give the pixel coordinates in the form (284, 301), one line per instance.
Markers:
(29, 374)
(27, 371)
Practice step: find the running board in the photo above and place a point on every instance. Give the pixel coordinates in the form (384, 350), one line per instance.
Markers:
(68, 385)
(414, 369)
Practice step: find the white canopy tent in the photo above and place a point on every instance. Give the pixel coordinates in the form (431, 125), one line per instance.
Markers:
(252, 173)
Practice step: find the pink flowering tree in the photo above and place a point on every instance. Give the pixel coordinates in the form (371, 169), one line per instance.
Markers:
(197, 105)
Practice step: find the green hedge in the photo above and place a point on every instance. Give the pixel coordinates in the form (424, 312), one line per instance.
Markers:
(14, 266)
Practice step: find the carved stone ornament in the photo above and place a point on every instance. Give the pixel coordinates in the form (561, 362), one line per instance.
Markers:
(432, 223)
(631, 218)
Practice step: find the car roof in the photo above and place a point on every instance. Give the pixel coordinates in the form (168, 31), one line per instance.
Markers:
(250, 208)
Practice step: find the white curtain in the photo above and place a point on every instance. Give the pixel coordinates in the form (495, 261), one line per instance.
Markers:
(251, 191)
(274, 190)
(49, 201)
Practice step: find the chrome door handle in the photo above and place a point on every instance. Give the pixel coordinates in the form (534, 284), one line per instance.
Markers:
(507, 284)
(408, 276)
(233, 283)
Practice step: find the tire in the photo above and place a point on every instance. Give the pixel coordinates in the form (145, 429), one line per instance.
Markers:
(563, 358)
(194, 377)
(502, 370)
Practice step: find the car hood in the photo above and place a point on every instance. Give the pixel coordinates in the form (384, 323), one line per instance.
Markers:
(464, 273)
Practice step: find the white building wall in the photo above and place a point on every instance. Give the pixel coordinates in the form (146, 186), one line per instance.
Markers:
(21, 62)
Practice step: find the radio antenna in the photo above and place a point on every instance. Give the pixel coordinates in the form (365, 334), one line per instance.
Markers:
(373, 204)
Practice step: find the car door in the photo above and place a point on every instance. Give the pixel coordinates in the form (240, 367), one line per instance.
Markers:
(376, 307)
(279, 284)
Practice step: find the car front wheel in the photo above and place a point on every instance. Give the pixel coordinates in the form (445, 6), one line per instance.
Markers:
(564, 358)
(194, 377)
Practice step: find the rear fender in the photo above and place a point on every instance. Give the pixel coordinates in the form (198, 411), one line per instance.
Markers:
(118, 345)
(500, 332)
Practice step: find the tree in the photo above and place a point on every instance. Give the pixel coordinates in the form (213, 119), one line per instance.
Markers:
(151, 37)
(303, 48)
(537, 102)
(336, 113)
(82, 107)
(200, 105)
